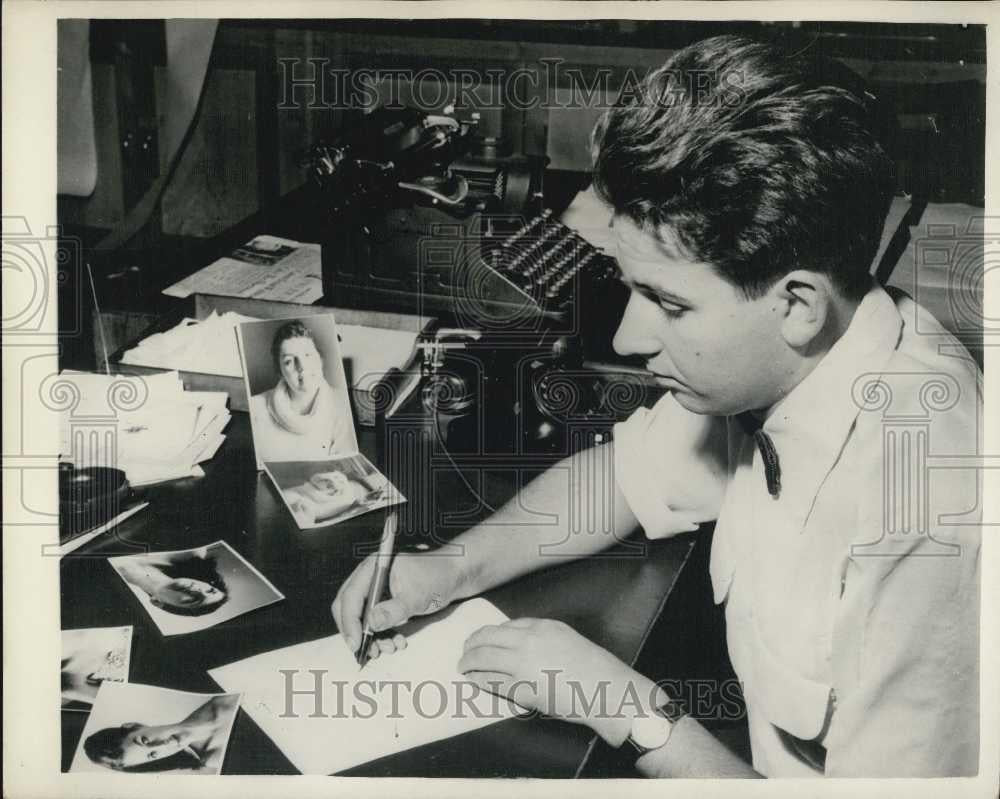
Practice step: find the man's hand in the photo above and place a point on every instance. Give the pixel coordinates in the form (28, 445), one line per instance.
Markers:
(418, 585)
(547, 666)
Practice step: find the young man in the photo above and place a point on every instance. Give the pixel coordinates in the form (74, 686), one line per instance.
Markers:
(749, 193)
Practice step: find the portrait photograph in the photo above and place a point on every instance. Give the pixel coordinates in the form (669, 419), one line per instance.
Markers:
(193, 589)
(91, 657)
(137, 729)
(298, 394)
(320, 493)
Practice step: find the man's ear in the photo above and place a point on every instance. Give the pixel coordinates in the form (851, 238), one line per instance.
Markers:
(805, 300)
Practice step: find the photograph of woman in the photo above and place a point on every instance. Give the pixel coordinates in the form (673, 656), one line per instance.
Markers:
(299, 402)
(193, 589)
(89, 658)
(141, 728)
(320, 493)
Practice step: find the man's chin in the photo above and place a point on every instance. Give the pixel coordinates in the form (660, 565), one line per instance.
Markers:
(695, 403)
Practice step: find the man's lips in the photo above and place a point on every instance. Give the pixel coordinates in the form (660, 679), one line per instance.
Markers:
(666, 380)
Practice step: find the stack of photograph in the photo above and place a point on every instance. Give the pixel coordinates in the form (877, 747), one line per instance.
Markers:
(303, 428)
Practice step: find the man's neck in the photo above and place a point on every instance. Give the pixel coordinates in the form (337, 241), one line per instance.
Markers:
(842, 312)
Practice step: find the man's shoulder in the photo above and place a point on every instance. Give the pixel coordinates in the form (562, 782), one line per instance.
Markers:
(931, 376)
(913, 450)
(669, 422)
(926, 345)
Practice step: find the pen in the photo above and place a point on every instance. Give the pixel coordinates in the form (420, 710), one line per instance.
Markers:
(382, 562)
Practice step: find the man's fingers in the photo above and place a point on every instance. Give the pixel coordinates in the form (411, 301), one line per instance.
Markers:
(350, 602)
(488, 658)
(521, 623)
(495, 635)
(491, 681)
(386, 646)
(390, 613)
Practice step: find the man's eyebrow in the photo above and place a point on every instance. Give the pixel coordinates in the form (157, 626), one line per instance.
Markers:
(646, 288)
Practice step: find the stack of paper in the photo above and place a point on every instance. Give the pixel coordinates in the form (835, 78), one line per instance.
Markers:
(266, 268)
(149, 427)
(208, 346)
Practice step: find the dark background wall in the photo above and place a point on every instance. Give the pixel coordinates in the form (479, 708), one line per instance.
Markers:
(244, 152)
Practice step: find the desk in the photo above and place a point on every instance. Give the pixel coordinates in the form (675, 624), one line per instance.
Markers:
(612, 600)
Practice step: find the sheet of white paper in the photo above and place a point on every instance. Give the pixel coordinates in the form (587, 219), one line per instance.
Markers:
(396, 702)
(86, 538)
(372, 351)
(207, 347)
(100, 395)
(142, 476)
(292, 273)
(151, 427)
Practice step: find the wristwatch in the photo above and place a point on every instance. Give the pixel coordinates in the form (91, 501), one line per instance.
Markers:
(651, 731)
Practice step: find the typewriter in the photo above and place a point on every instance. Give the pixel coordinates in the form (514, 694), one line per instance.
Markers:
(422, 214)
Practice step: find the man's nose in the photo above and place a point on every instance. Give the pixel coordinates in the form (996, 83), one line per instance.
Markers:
(637, 331)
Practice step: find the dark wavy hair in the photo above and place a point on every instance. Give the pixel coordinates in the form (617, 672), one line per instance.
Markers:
(294, 329)
(106, 747)
(195, 568)
(759, 162)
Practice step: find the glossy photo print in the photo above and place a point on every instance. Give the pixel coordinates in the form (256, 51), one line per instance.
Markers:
(142, 729)
(91, 657)
(299, 397)
(321, 493)
(194, 589)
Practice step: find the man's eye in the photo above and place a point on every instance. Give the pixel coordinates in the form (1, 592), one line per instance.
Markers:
(671, 308)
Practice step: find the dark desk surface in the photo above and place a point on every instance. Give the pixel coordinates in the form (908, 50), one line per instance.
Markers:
(612, 600)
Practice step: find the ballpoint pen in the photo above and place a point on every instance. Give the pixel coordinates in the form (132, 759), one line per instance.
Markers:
(382, 562)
